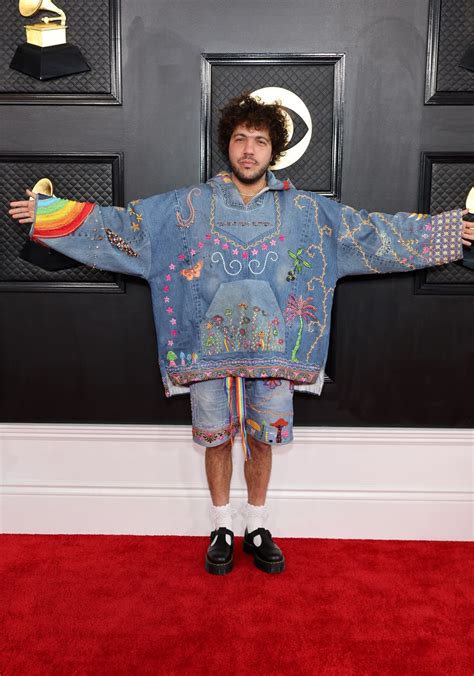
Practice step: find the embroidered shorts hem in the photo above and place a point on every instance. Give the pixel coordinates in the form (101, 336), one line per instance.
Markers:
(210, 438)
(269, 438)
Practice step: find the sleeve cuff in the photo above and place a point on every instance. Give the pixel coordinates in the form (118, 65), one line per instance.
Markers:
(446, 237)
(55, 217)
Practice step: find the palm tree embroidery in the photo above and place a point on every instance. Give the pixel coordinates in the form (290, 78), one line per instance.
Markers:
(301, 308)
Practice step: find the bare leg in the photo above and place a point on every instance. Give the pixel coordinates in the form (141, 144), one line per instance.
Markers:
(219, 472)
(257, 471)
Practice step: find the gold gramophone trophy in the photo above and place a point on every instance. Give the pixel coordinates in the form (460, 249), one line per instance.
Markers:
(46, 53)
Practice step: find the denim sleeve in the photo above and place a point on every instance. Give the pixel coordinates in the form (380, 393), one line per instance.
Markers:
(369, 243)
(108, 238)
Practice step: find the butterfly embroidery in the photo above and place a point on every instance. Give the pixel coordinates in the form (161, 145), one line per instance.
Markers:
(195, 271)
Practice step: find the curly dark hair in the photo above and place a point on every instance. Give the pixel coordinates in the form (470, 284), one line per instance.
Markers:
(252, 112)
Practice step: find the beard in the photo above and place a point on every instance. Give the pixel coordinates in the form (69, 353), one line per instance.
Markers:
(248, 179)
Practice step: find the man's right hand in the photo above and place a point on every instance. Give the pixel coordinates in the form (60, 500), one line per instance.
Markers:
(24, 210)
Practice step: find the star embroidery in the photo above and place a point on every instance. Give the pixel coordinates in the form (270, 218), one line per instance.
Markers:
(193, 252)
(135, 227)
(225, 246)
(168, 278)
(166, 299)
(173, 321)
(217, 240)
(172, 266)
(235, 252)
(245, 254)
(169, 310)
(139, 218)
(170, 343)
(254, 252)
(264, 247)
(200, 244)
(272, 242)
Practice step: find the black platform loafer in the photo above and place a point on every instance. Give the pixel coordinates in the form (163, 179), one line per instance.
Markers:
(220, 555)
(268, 555)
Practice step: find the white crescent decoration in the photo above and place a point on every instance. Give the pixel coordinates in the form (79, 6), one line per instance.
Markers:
(293, 102)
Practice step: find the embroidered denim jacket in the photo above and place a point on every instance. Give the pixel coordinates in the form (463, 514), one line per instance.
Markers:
(244, 289)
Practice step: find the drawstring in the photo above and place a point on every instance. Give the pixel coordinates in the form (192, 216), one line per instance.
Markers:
(241, 410)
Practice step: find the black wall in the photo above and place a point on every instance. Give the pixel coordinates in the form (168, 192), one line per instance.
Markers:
(397, 358)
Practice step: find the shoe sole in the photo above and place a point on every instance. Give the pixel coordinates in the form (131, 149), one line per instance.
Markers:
(219, 568)
(266, 566)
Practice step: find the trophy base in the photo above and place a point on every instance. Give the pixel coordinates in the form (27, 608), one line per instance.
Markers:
(46, 63)
(45, 258)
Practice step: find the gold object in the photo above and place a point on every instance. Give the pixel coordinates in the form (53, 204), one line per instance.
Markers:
(470, 201)
(47, 33)
(44, 186)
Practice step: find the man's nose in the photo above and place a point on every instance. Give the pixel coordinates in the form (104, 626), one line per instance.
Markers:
(249, 147)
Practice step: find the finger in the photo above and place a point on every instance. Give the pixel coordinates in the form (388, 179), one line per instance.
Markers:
(466, 243)
(23, 203)
(33, 194)
(26, 220)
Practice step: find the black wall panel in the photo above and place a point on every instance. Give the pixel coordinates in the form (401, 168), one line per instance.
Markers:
(397, 358)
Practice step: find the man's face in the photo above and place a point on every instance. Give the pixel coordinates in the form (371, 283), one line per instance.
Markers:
(250, 153)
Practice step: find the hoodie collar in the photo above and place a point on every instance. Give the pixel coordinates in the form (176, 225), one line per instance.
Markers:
(224, 180)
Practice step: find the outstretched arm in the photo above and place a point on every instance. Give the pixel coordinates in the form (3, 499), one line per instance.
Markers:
(109, 238)
(376, 242)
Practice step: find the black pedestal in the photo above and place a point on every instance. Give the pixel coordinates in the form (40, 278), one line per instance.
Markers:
(45, 63)
(45, 258)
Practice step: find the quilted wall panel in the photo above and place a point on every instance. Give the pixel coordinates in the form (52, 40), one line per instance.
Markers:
(91, 180)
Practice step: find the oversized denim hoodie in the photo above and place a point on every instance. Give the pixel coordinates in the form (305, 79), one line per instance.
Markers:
(244, 289)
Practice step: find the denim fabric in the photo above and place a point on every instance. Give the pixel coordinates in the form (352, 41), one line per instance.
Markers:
(244, 289)
(269, 404)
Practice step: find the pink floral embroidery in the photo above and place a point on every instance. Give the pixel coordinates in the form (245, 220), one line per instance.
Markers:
(166, 299)
(174, 332)
(426, 249)
(200, 244)
(169, 310)
(166, 288)
(235, 252)
(225, 246)
(172, 266)
(173, 321)
(282, 238)
(193, 252)
(181, 257)
(168, 278)
(272, 242)
(170, 343)
(208, 236)
(428, 226)
(217, 240)
(245, 254)
(264, 247)
(254, 252)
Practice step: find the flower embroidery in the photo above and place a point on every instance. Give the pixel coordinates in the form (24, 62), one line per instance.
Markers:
(173, 321)
(166, 299)
(172, 266)
(169, 310)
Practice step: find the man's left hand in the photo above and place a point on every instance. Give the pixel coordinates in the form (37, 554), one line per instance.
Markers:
(467, 230)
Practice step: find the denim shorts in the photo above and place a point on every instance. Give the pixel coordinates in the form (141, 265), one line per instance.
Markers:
(269, 411)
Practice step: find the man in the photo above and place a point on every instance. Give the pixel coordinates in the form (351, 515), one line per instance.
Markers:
(242, 272)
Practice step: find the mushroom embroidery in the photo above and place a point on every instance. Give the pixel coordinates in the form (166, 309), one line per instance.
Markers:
(279, 424)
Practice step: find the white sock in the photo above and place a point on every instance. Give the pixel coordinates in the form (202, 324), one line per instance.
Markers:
(222, 517)
(255, 517)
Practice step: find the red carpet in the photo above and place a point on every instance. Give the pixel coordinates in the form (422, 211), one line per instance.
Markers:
(88, 604)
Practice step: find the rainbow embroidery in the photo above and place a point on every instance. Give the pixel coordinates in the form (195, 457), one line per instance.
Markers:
(56, 217)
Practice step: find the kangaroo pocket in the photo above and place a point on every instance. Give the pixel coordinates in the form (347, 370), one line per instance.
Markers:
(243, 317)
